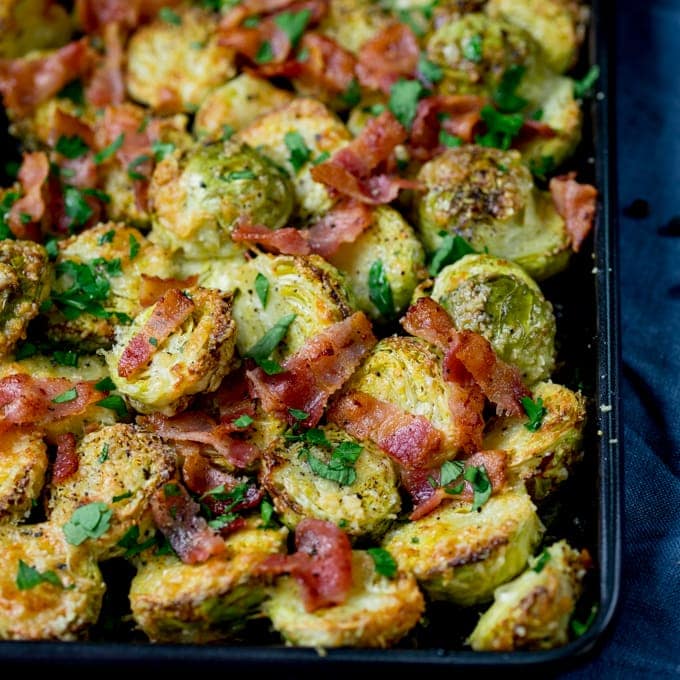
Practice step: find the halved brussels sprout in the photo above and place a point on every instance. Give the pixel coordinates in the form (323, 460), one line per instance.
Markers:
(173, 65)
(542, 459)
(97, 281)
(351, 23)
(193, 359)
(176, 602)
(237, 104)
(23, 464)
(497, 299)
(378, 612)
(24, 285)
(304, 130)
(533, 611)
(461, 556)
(200, 194)
(119, 469)
(49, 590)
(391, 241)
(487, 196)
(306, 286)
(363, 497)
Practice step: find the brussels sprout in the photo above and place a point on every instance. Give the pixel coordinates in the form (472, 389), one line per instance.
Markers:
(407, 372)
(303, 131)
(533, 611)
(487, 197)
(214, 600)
(306, 286)
(360, 492)
(460, 555)
(497, 299)
(556, 25)
(200, 194)
(23, 464)
(98, 275)
(49, 590)
(24, 284)
(27, 25)
(351, 23)
(542, 458)
(237, 104)
(119, 468)
(193, 359)
(391, 241)
(378, 612)
(173, 65)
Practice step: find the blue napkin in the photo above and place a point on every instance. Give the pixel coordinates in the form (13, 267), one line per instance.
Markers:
(644, 640)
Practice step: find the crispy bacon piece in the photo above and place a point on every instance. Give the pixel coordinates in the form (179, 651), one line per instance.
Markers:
(410, 439)
(322, 564)
(176, 515)
(192, 426)
(343, 224)
(328, 65)
(535, 128)
(66, 462)
(390, 55)
(153, 288)
(66, 125)
(95, 15)
(107, 85)
(576, 203)
(288, 240)
(232, 399)
(33, 177)
(169, 313)
(25, 82)
(316, 371)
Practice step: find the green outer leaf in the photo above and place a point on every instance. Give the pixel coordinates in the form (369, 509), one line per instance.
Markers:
(380, 291)
(261, 350)
(262, 288)
(385, 564)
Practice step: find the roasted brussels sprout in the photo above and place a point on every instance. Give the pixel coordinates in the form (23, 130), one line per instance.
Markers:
(176, 602)
(49, 590)
(27, 25)
(306, 286)
(497, 299)
(353, 22)
(237, 104)
(24, 285)
(192, 359)
(96, 286)
(545, 457)
(200, 194)
(533, 611)
(391, 241)
(487, 196)
(361, 496)
(303, 131)
(173, 65)
(461, 556)
(378, 612)
(23, 464)
(119, 469)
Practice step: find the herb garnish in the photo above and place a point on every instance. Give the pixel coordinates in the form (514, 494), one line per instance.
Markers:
(265, 53)
(107, 152)
(385, 564)
(472, 48)
(262, 288)
(293, 24)
(505, 96)
(67, 396)
(481, 485)
(134, 246)
(583, 87)
(340, 467)
(535, 412)
(71, 147)
(380, 291)
(404, 98)
(430, 71)
(451, 250)
(352, 95)
(449, 140)
(170, 16)
(501, 128)
(115, 403)
(299, 151)
(130, 539)
(243, 421)
(28, 577)
(162, 149)
(541, 561)
(263, 348)
(580, 628)
(88, 521)
(240, 174)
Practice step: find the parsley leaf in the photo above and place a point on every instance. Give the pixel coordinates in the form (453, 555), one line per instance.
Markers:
(122, 497)
(505, 95)
(298, 414)
(240, 174)
(453, 247)
(105, 385)
(115, 403)
(580, 628)
(385, 564)
(447, 139)
(252, 22)
(8, 200)
(88, 521)
(73, 90)
(430, 71)
(66, 358)
(170, 16)
(107, 152)
(76, 206)
(501, 128)
(162, 149)
(293, 24)
(299, 151)
(130, 539)
(265, 53)
(535, 412)
(262, 288)
(28, 577)
(322, 157)
(67, 396)
(134, 246)
(481, 485)
(541, 561)
(28, 349)
(404, 97)
(104, 455)
(583, 87)
(340, 467)
(352, 95)
(380, 291)
(135, 163)
(472, 48)
(107, 237)
(261, 350)
(243, 421)
(71, 147)
(542, 167)
(450, 471)
(266, 514)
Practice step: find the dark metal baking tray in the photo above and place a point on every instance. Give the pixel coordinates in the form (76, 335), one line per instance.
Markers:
(586, 510)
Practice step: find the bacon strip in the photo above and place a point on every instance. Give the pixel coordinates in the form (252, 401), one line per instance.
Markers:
(25, 82)
(107, 85)
(177, 517)
(322, 564)
(288, 240)
(576, 203)
(33, 176)
(327, 66)
(95, 15)
(343, 224)
(409, 439)
(192, 426)
(153, 288)
(169, 313)
(66, 462)
(316, 371)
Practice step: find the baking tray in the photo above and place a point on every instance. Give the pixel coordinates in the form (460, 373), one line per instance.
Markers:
(586, 510)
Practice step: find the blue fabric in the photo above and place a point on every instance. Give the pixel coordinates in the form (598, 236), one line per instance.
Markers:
(645, 638)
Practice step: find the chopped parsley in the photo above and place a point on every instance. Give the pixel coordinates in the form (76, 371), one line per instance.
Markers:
(170, 16)
(580, 628)
(298, 414)
(105, 385)
(481, 485)
(243, 421)
(121, 497)
(115, 403)
(583, 88)
(8, 200)
(88, 521)
(134, 164)
(321, 158)
(130, 541)
(104, 455)
(74, 91)
(447, 139)
(134, 246)
(266, 514)
(227, 132)
(252, 22)
(71, 147)
(265, 53)
(240, 174)
(107, 152)
(505, 96)
(293, 24)
(541, 561)
(340, 467)
(385, 564)
(452, 248)
(535, 412)
(472, 48)
(299, 151)
(430, 71)
(542, 167)
(106, 237)
(262, 288)
(404, 98)
(28, 577)
(76, 206)
(52, 248)
(352, 95)
(67, 396)
(380, 291)
(162, 149)
(501, 128)
(65, 358)
(263, 348)
(28, 349)
(171, 490)
(450, 471)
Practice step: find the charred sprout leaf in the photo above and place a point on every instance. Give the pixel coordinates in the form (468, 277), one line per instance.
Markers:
(404, 98)
(380, 291)
(71, 147)
(535, 412)
(262, 288)
(541, 561)
(481, 485)
(293, 24)
(451, 250)
(261, 350)
(299, 152)
(88, 521)
(583, 88)
(505, 96)
(28, 577)
(385, 564)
